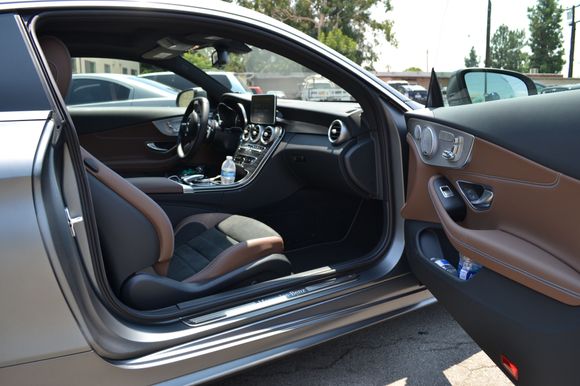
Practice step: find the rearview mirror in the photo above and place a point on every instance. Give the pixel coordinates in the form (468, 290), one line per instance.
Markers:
(185, 97)
(476, 85)
(220, 57)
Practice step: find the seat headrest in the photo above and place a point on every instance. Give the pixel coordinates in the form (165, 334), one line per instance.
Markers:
(59, 60)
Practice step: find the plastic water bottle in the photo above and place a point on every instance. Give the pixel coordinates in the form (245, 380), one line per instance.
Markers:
(228, 174)
(444, 265)
(467, 267)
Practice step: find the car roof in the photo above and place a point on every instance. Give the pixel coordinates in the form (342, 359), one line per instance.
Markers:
(210, 8)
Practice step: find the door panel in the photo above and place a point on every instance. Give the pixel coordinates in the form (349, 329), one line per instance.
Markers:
(119, 137)
(524, 304)
(527, 234)
(125, 150)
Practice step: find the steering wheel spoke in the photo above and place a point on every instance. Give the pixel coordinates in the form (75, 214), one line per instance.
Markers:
(193, 127)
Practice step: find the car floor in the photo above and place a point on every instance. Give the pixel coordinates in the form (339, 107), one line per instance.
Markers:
(323, 227)
(361, 237)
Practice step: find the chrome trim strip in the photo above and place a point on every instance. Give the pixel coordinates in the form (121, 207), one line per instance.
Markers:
(268, 301)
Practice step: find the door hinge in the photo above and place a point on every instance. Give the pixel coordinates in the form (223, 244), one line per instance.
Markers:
(72, 221)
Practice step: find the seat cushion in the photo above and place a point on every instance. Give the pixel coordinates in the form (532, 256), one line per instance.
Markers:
(210, 245)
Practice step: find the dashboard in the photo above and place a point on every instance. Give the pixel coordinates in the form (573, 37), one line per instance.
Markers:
(323, 144)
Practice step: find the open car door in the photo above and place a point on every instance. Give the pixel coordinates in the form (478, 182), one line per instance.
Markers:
(499, 183)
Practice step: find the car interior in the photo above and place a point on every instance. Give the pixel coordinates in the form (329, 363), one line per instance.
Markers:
(307, 193)
(312, 198)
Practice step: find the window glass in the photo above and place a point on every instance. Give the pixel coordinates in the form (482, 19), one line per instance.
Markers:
(86, 91)
(263, 72)
(104, 82)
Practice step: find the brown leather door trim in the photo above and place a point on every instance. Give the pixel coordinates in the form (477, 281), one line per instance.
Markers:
(124, 149)
(512, 257)
(534, 207)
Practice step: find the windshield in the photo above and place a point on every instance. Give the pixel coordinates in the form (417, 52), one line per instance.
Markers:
(263, 72)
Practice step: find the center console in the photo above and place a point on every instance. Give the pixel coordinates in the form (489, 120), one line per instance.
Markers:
(260, 136)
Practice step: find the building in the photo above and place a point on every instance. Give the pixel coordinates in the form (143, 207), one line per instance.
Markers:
(104, 66)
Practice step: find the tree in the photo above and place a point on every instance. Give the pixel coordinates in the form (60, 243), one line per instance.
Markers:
(506, 49)
(344, 25)
(546, 36)
(413, 69)
(472, 60)
(200, 59)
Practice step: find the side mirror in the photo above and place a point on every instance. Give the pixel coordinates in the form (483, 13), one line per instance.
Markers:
(476, 85)
(185, 97)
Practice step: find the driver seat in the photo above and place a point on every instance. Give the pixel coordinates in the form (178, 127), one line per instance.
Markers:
(149, 263)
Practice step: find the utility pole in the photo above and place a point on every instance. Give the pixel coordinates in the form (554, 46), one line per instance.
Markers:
(487, 38)
(572, 17)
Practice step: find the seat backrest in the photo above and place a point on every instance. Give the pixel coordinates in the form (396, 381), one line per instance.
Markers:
(135, 233)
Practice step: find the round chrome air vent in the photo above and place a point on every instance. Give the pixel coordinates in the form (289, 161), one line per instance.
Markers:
(256, 133)
(267, 135)
(246, 133)
(337, 132)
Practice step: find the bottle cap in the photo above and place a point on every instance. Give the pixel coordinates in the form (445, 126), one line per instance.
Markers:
(228, 157)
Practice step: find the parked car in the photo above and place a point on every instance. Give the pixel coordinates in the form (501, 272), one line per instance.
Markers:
(227, 79)
(125, 259)
(560, 88)
(278, 93)
(256, 89)
(118, 90)
(317, 88)
(415, 92)
(397, 84)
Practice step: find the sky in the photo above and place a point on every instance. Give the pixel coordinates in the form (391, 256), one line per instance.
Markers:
(440, 33)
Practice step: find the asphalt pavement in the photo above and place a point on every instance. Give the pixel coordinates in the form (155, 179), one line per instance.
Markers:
(426, 347)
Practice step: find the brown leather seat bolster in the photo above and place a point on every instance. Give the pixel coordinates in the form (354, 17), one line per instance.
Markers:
(138, 199)
(239, 255)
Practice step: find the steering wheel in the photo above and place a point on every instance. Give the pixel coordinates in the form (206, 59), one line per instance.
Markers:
(193, 127)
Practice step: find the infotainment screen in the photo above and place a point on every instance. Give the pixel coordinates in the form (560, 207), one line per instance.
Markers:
(263, 109)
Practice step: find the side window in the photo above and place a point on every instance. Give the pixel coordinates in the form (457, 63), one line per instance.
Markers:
(88, 91)
(108, 82)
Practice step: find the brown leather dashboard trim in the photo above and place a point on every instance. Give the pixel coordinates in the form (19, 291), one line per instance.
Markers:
(532, 204)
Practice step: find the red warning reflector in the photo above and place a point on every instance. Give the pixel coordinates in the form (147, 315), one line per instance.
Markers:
(510, 367)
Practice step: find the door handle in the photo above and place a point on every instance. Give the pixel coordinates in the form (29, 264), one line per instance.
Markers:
(484, 201)
(478, 196)
(154, 147)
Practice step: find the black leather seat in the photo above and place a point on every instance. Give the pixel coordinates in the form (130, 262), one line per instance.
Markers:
(151, 265)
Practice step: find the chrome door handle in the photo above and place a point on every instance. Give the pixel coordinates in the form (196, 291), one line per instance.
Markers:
(158, 149)
(484, 201)
(478, 196)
